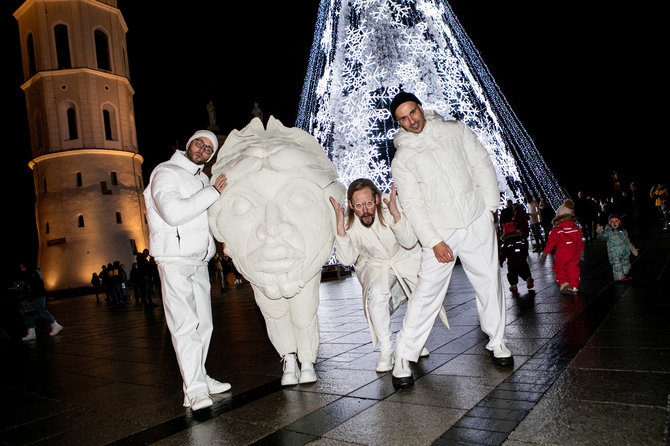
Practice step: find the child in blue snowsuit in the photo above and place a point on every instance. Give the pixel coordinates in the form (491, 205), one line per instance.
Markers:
(619, 247)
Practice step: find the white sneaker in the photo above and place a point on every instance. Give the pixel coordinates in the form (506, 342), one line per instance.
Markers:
(30, 336)
(291, 374)
(201, 401)
(564, 287)
(216, 387)
(424, 353)
(307, 373)
(55, 328)
(500, 355)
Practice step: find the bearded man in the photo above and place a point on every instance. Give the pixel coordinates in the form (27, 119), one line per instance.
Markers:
(177, 198)
(382, 246)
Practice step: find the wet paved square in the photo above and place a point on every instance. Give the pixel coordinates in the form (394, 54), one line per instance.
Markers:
(593, 368)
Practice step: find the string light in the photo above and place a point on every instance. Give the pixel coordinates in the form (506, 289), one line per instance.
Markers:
(365, 51)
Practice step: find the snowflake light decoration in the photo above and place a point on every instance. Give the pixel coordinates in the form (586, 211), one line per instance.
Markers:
(366, 51)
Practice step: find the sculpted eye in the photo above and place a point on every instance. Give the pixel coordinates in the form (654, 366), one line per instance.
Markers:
(240, 205)
(301, 199)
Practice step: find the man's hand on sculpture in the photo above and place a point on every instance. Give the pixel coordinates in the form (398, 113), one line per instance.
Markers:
(339, 216)
(443, 253)
(392, 204)
(221, 182)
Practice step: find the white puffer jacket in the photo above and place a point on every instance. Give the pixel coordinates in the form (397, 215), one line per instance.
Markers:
(177, 199)
(444, 177)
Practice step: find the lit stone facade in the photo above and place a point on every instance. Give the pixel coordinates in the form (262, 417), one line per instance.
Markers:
(86, 167)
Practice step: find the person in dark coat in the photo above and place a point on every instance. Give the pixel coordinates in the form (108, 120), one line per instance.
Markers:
(547, 214)
(514, 249)
(32, 285)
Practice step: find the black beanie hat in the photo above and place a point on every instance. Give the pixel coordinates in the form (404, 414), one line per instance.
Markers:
(400, 99)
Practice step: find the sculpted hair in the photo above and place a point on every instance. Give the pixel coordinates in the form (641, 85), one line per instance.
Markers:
(354, 187)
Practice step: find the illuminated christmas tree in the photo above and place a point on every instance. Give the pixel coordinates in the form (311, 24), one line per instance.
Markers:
(365, 51)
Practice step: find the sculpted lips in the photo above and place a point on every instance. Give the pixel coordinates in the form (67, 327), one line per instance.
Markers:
(275, 259)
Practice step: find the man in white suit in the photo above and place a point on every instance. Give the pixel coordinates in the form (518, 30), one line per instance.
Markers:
(449, 192)
(177, 199)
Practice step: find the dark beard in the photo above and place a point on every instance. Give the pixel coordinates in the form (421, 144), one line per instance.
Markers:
(367, 225)
(198, 163)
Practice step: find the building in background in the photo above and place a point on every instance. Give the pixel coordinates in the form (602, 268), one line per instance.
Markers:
(86, 167)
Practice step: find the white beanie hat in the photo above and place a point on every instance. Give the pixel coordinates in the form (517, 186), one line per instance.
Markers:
(205, 134)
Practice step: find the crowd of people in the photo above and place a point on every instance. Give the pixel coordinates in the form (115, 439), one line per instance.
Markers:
(115, 283)
(223, 272)
(617, 220)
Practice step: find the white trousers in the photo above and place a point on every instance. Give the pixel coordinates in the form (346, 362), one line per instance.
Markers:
(380, 308)
(188, 314)
(476, 247)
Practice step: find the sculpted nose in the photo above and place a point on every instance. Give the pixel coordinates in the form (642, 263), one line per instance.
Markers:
(274, 225)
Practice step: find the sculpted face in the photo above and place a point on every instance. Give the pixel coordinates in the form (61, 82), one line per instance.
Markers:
(274, 217)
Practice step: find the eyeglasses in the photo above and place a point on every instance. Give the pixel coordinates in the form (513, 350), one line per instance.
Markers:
(367, 204)
(201, 145)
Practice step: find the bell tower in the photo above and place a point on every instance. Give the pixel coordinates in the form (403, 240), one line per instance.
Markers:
(86, 167)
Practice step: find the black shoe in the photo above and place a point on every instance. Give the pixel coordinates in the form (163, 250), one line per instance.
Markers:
(401, 383)
(502, 362)
(501, 356)
(405, 378)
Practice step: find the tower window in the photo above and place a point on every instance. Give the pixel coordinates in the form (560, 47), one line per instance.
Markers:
(80, 221)
(104, 189)
(119, 220)
(44, 185)
(102, 50)
(62, 47)
(72, 123)
(32, 65)
(46, 228)
(114, 179)
(78, 179)
(109, 123)
(38, 134)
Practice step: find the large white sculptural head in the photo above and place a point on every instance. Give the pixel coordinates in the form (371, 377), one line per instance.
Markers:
(274, 217)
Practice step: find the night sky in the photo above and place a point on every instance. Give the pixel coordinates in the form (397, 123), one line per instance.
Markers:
(585, 81)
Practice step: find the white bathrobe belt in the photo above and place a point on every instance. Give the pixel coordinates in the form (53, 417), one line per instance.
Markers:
(386, 265)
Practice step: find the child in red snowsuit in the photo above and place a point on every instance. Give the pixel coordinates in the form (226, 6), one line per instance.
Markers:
(566, 237)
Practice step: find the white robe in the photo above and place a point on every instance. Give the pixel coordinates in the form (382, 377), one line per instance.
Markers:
(377, 252)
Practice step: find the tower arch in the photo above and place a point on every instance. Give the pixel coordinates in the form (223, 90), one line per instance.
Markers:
(62, 44)
(102, 53)
(69, 118)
